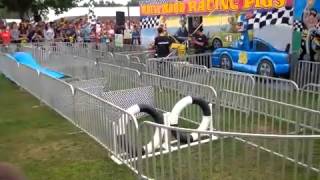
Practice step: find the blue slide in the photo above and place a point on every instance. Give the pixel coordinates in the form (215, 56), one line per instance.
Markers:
(27, 60)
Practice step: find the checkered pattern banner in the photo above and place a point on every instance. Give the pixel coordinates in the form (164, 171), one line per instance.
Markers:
(91, 16)
(150, 22)
(261, 19)
(297, 26)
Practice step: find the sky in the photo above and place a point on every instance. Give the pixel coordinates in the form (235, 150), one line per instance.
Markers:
(117, 1)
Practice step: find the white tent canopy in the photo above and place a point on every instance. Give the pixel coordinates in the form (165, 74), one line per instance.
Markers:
(99, 12)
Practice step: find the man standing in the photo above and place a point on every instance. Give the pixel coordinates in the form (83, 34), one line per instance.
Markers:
(85, 32)
(162, 44)
(200, 41)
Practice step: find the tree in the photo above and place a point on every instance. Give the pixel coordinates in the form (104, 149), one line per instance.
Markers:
(102, 3)
(133, 3)
(19, 6)
(37, 7)
(85, 5)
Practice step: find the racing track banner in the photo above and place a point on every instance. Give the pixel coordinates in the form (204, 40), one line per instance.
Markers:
(153, 8)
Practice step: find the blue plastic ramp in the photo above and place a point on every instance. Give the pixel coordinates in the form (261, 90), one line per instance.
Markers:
(27, 60)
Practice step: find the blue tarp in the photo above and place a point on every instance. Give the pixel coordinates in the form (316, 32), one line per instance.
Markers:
(27, 60)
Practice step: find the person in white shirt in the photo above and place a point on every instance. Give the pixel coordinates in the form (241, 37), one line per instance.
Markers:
(49, 33)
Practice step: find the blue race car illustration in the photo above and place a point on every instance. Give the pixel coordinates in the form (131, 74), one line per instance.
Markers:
(259, 57)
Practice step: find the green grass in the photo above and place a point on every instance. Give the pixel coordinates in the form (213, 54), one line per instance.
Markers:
(46, 146)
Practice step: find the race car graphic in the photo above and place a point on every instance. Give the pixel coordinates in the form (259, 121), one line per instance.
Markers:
(259, 58)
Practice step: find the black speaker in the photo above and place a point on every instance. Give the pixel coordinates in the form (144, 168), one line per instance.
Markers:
(194, 22)
(120, 19)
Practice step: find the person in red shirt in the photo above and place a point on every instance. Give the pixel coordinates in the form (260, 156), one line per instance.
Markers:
(6, 36)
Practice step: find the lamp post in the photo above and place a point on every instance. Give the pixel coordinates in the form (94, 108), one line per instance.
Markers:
(128, 6)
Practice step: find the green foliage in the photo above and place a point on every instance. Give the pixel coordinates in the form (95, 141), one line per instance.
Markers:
(133, 3)
(37, 7)
(102, 3)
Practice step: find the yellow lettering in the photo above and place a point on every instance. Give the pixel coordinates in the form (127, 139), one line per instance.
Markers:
(216, 5)
(170, 8)
(176, 8)
(233, 5)
(209, 5)
(158, 9)
(202, 6)
(148, 9)
(143, 9)
(279, 3)
(192, 6)
(165, 8)
(151, 9)
(258, 4)
(266, 3)
(224, 5)
(182, 7)
(248, 4)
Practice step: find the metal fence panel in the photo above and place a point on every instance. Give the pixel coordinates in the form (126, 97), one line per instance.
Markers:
(119, 78)
(28, 79)
(309, 96)
(276, 89)
(168, 91)
(217, 78)
(58, 95)
(307, 72)
(225, 155)
(102, 120)
(265, 116)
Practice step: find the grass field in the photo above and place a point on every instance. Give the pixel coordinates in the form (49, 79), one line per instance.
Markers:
(46, 146)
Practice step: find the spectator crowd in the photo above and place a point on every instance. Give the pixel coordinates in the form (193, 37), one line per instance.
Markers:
(66, 31)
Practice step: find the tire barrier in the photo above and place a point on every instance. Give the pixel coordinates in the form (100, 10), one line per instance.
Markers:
(205, 122)
(123, 138)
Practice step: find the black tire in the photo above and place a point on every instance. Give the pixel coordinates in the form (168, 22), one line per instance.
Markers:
(216, 43)
(225, 62)
(265, 68)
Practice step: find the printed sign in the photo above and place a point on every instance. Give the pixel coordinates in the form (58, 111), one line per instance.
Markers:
(127, 34)
(119, 40)
(208, 6)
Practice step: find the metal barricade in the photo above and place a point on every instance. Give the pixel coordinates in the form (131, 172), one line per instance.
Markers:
(99, 119)
(28, 79)
(217, 78)
(138, 66)
(103, 56)
(268, 139)
(168, 91)
(199, 59)
(264, 116)
(119, 78)
(309, 96)
(121, 59)
(228, 155)
(140, 57)
(74, 66)
(277, 89)
(95, 116)
(307, 72)
(9, 67)
(57, 94)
